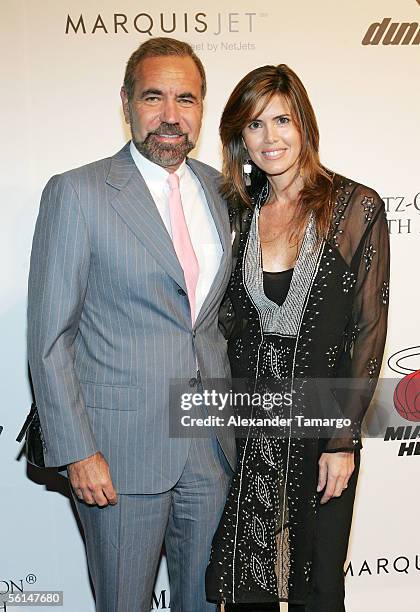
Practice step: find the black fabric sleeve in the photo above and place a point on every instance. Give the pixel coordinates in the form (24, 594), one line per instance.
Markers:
(368, 327)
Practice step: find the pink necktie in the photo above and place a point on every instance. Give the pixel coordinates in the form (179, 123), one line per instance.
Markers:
(182, 241)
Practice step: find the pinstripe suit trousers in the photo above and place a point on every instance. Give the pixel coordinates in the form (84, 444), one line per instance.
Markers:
(124, 541)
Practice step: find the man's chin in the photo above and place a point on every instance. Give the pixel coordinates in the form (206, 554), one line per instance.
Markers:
(167, 160)
(166, 156)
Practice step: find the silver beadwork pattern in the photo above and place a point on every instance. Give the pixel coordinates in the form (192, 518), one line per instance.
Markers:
(282, 319)
(368, 256)
(368, 204)
(349, 280)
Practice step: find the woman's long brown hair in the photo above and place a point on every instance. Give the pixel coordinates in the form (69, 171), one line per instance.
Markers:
(251, 93)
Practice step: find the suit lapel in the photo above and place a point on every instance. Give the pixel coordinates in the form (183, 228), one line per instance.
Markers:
(135, 205)
(218, 210)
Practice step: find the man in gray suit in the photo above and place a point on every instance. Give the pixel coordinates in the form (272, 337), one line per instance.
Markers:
(113, 318)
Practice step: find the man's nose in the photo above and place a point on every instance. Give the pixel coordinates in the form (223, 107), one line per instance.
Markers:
(169, 112)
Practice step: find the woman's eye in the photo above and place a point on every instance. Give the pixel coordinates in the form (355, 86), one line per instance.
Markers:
(254, 125)
(284, 120)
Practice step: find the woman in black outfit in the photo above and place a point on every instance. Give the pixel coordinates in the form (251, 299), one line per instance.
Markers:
(307, 301)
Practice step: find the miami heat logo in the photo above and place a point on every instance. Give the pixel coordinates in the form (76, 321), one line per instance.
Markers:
(407, 392)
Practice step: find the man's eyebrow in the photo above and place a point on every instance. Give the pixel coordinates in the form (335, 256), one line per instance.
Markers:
(158, 92)
(151, 92)
(187, 94)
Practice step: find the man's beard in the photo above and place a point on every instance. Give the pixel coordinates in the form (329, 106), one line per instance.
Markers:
(165, 154)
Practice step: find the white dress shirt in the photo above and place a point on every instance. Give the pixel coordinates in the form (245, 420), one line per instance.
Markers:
(203, 233)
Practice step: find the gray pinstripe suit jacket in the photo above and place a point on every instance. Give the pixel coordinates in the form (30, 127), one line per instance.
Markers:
(108, 326)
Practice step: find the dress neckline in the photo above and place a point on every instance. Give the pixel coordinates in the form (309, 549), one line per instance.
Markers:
(279, 271)
(281, 318)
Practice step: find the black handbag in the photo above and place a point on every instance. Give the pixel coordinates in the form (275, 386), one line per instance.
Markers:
(34, 439)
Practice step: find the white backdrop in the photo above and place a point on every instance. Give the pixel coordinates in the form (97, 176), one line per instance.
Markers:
(61, 108)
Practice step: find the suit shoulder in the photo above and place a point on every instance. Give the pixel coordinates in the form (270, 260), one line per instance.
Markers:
(204, 168)
(88, 176)
(93, 169)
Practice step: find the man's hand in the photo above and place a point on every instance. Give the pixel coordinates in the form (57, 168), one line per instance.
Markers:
(335, 470)
(91, 480)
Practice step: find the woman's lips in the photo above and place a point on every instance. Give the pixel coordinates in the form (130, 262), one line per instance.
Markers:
(273, 153)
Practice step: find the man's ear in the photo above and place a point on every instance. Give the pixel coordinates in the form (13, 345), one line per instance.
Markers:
(125, 105)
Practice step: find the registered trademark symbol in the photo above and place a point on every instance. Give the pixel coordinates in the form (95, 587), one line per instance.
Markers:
(30, 578)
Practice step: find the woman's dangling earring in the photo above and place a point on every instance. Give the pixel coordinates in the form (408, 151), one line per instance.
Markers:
(247, 169)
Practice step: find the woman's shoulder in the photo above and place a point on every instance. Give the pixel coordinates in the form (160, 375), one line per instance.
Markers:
(351, 197)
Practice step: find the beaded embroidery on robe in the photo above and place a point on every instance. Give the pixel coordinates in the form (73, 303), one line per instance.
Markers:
(331, 324)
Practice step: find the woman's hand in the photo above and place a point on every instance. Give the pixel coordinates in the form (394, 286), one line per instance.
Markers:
(335, 470)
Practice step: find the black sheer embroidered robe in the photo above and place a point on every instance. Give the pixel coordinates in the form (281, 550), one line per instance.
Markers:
(332, 324)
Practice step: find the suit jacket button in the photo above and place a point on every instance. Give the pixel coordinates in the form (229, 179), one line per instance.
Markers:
(193, 382)
(181, 291)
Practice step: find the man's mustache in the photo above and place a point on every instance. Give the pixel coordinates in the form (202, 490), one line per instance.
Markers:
(167, 129)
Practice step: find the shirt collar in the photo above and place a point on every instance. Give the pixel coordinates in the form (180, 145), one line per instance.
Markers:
(152, 173)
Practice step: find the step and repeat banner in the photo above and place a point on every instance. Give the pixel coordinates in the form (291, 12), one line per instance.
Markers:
(62, 68)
